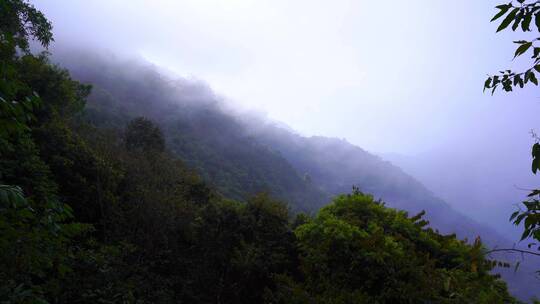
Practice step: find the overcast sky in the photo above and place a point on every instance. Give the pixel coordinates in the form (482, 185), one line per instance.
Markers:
(400, 77)
(392, 76)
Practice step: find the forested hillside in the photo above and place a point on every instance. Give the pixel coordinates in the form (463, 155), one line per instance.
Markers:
(334, 164)
(101, 205)
(244, 154)
(196, 128)
(241, 154)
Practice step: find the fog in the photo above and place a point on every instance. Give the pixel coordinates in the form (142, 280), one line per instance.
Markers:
(400, 79)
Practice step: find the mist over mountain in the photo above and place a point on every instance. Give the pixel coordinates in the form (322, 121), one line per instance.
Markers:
(482, 185)
(234, 151)
(241, 153)
(124, 179)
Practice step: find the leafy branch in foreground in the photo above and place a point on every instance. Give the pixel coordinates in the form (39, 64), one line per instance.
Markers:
(530, 217)
(520, 14)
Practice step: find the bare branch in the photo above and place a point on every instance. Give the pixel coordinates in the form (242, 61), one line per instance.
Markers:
(513, 250)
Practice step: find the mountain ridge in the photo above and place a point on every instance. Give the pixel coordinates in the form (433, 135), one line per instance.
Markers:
(243, 155)
(231, 153)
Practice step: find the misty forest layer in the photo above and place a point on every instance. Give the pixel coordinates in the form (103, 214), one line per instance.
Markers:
(118, 185)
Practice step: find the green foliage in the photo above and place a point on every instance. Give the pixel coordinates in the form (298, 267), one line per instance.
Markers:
(62, 97)
(111, 216)
(530, 216)
(522, 14)
(143, 135)
(205, 138)
(20, 20)
(14, 115)
(358, 251)
(34, 247)
(35, 231)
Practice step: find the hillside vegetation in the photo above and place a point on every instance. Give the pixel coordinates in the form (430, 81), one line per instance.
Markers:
(100, 205)
(243, 154)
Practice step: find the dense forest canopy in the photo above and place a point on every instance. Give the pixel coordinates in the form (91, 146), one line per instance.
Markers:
(102, 201)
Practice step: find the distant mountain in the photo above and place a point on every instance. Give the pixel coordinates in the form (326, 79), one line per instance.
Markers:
(484, 186)
(243, 155)
(335, 164)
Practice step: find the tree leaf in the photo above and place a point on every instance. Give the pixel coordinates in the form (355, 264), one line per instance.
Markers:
(518, 18)
(509, 19)
(517, 80)
(527, 76)
(487, 83)
(513, 216)
(536, 52)
(503, 10)
(526, 24)
(535, 151)
(534, 193)
(522, 49)
(525, 234)
(534, 165)
(519, 218)
(533, 79)
(529, 221)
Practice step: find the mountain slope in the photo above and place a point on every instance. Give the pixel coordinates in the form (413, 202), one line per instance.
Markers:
(334, 165)
(196, 129)
(245, 155)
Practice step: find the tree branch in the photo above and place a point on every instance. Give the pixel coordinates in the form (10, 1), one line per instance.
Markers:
(513, 250)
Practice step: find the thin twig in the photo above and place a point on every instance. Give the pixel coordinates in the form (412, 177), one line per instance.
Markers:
(514, 250)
